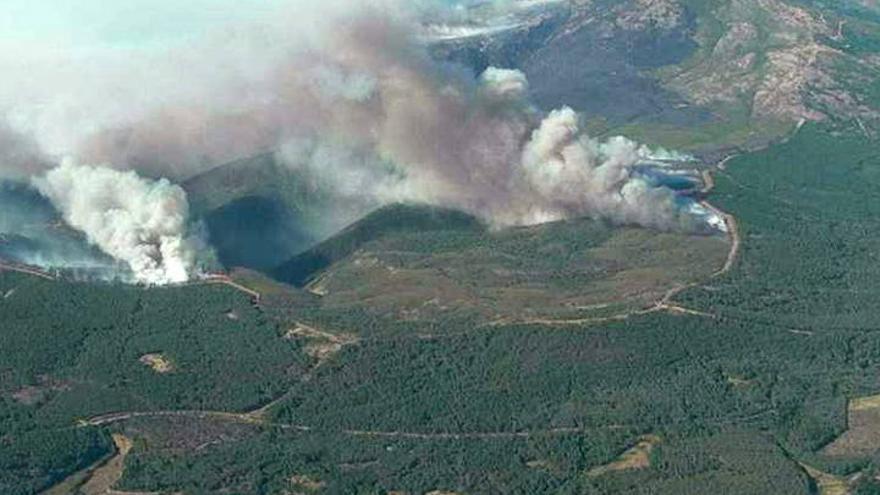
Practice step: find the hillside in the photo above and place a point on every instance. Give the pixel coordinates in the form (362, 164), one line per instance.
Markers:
(390, 220)
(422, 264)
(695, 75)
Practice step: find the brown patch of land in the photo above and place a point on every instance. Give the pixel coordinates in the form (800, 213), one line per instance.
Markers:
(71, 484)
(29, 396)
(99, 478)
(103, 478)
(34, 394)
(862, 437)
(307, 483)
(636, 457)
(539, 464)
(220, 279)
(738, 381)
(322, 345)
(828, 484)
(631, 270)
(318, 286)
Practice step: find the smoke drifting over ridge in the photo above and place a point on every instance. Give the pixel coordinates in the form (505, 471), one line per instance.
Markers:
(346, 91)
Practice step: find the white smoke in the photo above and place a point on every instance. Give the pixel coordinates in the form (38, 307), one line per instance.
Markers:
(138, 221)
(343, 91)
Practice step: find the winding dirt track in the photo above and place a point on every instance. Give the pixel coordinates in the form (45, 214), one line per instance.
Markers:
(254, 418)
(245, 418)
(227, 281)
(211, 280)
(665, 303)
(732, 232)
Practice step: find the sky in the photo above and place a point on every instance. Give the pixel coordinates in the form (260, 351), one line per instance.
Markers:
(72, 68)
(102, 24)
(123, 23)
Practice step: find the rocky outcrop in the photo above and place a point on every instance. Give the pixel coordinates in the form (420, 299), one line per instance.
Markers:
(774, 58)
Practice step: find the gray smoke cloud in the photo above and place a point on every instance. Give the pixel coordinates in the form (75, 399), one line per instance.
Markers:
(344, 91)
(452, 140)
(20, 155)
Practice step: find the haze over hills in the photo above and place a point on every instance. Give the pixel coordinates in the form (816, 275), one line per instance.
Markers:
(586, 246)
(648, 69)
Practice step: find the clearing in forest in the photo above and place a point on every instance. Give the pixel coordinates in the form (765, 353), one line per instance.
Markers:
(102, 480)
(636, 457)
(862, 437)
(99, 478)
(322, 345)
(828, 484)
(158, 362)
(307, 483)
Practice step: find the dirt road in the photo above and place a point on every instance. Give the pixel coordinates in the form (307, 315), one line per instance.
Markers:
(665, 303)
(225, 280)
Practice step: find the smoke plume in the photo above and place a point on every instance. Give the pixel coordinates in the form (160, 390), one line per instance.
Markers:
(20, 156)
(431, 133)
(138, 221)
(345, 92)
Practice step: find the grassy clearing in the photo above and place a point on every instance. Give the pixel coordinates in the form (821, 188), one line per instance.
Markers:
(636, 457)
(828, 484)
(157, 362)
(862, 438)
(307, 483)
(320, 345)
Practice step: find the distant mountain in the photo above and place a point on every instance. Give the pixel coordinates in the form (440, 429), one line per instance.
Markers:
(590, 57)
(700, 75)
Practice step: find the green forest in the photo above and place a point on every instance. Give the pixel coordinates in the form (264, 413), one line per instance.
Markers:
(742, 394)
